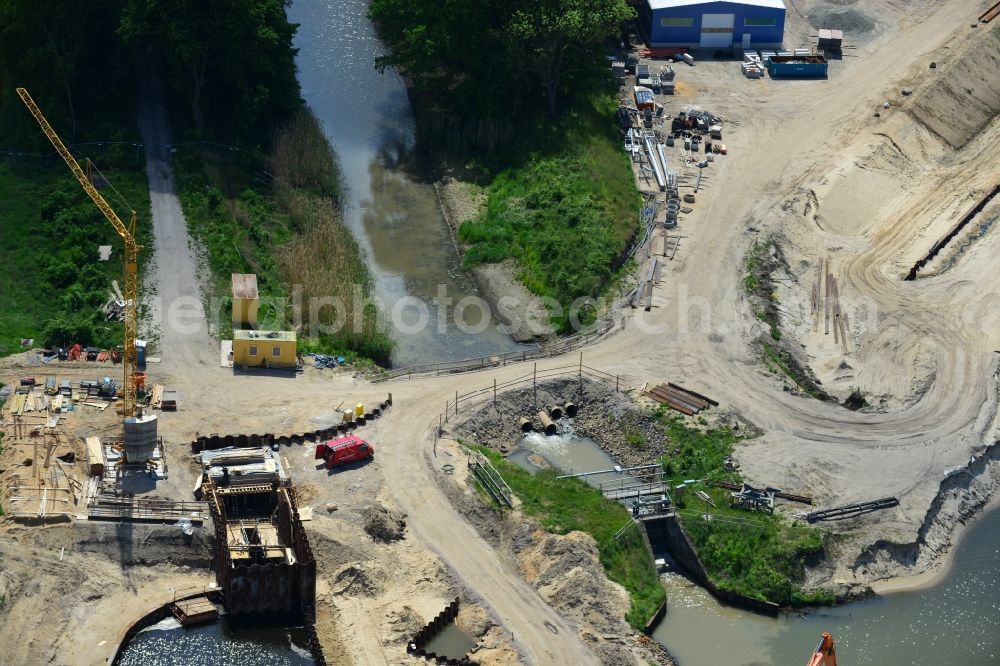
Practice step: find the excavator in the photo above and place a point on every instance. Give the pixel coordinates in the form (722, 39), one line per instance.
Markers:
(825, 653)
(133, 379)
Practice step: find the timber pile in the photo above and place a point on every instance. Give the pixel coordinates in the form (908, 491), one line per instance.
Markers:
(156, 398)
(826, 306)
(990, 13)
(679, 398)
(16, 405)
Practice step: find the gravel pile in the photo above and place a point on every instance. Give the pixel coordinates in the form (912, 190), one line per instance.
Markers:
(851, 21)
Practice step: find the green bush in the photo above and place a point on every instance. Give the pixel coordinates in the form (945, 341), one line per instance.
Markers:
(564, 215)
(51, 231)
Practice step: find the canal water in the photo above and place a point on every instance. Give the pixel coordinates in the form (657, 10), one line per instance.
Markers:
(396, 219)
(450, 642)
(954, 623)
(222, 643)
(567, 451)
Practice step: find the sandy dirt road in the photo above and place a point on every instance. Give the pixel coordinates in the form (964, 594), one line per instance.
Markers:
(171, 288)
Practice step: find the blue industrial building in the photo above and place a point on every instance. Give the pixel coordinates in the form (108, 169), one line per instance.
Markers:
(713, 25)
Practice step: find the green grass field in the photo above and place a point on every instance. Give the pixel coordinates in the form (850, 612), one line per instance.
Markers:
(565, 505)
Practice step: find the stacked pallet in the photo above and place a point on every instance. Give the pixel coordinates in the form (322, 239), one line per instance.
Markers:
(156, 397)
(680, 399)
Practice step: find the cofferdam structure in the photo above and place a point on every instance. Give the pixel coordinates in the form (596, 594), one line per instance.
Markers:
(263, 559)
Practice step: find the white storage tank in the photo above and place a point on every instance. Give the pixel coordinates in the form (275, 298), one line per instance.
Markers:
(140, 438)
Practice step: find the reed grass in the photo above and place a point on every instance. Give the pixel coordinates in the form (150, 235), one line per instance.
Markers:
(290, 233)
(301, 158)
(326, 262)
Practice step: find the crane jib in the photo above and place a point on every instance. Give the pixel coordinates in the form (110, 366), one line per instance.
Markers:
(131, 260)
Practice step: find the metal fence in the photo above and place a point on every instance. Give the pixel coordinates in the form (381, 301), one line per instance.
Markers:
(578, 370)
(489, 478)
(555, 348)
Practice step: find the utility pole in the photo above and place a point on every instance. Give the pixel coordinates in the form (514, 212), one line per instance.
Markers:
(534, 383)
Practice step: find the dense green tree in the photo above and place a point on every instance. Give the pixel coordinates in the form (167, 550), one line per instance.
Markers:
(554, 39)
(495, 56)
(67, 55)
(231, 60)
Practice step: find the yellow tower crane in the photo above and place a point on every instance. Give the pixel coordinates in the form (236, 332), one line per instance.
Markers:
(131, 291)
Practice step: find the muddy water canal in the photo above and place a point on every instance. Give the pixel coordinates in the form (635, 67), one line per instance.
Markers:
(395, 217)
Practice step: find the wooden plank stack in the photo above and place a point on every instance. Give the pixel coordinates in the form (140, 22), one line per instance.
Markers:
(156, 399)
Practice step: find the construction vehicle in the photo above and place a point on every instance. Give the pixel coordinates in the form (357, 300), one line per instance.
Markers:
(825, 653)
(132, 249)
(344, 450)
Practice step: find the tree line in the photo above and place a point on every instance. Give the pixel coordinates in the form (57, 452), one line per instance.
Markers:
(229, 64)
(484, 61)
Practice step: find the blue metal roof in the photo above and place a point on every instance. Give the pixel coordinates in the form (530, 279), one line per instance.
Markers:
(668, 4)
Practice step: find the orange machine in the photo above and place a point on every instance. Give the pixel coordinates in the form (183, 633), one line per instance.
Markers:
(825, 653)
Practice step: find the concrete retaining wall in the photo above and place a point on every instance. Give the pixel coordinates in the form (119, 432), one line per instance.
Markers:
(669, 532)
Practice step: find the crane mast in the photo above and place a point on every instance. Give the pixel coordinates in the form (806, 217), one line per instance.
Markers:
(127, 233)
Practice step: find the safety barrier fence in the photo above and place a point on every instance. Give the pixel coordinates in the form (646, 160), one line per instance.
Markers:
(555, 348)
(491, 480)
(533, 378)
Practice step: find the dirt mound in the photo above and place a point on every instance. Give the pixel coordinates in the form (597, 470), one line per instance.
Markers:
(404, 624)
(354, 581)
(568, 573)
(383, 525)
(965, 94)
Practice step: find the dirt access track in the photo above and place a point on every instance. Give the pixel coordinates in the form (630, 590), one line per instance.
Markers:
(809, 163)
